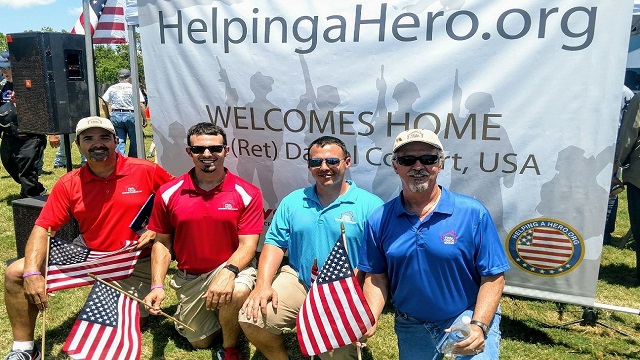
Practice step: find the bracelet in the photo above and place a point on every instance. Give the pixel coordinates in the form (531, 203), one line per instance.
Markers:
(26, 275)
(481, 325)
(157, 287)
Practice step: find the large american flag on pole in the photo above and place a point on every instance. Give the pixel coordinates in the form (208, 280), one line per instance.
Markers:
(108, 25)
(335, 312)
(69, 264)
(106, 328)
(544, 247)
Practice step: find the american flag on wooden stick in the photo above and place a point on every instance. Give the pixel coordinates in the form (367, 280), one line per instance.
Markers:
(108, 25)
(69, 264)
(106, 328)
(335, 312)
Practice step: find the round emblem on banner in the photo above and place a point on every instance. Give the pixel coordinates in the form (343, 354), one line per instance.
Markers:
(545, 247)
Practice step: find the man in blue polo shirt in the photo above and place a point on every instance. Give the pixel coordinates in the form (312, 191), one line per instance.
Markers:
(437, 253)
(307, 224)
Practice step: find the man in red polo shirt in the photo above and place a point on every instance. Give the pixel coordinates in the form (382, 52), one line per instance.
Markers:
(104, 197)
(210, 219)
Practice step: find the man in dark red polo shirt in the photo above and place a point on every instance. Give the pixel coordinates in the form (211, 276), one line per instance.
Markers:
(104, 196)
(210, 219)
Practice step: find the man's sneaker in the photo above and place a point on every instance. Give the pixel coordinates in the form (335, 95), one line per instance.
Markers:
(23, 355)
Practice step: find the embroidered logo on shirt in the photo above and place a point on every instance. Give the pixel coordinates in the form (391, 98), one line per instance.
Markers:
(131, 190)
(227, 207)
(346, 217)
(449, 238)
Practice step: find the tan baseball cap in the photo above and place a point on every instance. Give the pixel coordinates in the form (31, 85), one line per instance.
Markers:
(94, 122)
(417, 135)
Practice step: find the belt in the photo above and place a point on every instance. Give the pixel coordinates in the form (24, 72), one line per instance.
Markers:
(187, 275)
(121, 110)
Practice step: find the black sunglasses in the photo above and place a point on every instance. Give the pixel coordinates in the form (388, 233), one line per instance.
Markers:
(317, 162)
(200, 149)
(424, 159)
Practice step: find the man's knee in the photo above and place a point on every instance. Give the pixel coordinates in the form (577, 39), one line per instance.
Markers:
(203, 343)
(13, 274)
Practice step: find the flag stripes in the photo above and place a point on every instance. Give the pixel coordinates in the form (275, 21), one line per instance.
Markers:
(335, 312)
(106, 328)
(545, 248)
(67, 269)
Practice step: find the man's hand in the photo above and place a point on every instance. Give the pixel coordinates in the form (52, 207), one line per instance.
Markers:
(153, 300)
(54, 141)
(35, 291)
(362, 342)
(146, 240)
(472, 345)
(258, 300)
(220, 290)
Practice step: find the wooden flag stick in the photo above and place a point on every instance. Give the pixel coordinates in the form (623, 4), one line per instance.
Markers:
(140, 301)
(44, 309)
(344, 237)
(344, 241)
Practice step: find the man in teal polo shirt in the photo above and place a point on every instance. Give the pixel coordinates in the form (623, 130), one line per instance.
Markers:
(307, 224)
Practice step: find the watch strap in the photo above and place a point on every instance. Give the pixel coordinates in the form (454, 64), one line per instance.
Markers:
(481, 325)
(234, 269)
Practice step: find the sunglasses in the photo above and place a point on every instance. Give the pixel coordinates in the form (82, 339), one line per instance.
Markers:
(195, 149)
(424, 159)
(317, 162)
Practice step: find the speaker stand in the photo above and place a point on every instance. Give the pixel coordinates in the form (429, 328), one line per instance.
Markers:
(589, 317)
(67, 151)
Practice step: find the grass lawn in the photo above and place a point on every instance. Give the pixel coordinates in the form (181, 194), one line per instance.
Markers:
(524, 321)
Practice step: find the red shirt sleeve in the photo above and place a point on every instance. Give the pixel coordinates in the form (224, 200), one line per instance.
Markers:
(57, 209)
(159, 220)
(161, 177)
(252, 218)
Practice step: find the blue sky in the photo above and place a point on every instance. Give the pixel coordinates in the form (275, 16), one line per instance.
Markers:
(21, 15)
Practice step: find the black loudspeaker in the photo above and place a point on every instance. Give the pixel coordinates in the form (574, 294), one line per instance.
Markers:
(50, 81)
(25, 213)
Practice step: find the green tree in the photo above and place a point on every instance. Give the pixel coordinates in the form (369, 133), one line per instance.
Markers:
(3, 42)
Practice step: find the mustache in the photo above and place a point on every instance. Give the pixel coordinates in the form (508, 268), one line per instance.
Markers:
(418, 172)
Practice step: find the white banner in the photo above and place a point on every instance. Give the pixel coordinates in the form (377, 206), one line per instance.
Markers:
(525, 96)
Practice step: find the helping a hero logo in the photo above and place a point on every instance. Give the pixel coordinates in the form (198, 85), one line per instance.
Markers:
(545, 247)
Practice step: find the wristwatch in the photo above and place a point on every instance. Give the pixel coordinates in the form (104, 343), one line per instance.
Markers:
(481, 325)
(234, 269)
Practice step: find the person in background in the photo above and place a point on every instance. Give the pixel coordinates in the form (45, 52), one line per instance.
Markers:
(20, 151)
(437, 254)
(118, 102)
(627, 157)
(307, 224)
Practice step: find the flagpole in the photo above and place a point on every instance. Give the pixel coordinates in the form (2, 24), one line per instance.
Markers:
(88, 44)
(344, 241)
(44, 309)
(139, 300)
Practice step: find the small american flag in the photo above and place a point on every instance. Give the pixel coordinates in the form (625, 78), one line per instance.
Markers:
(69, 264)
(108, 25)
(335, 312)
(546, 248)
(106, 328)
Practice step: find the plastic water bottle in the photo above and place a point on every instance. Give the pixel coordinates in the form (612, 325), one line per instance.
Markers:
(460, 330)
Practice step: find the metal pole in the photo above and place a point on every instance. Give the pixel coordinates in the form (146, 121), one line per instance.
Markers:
(624, 309)
(88, 44)
(133, 60)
